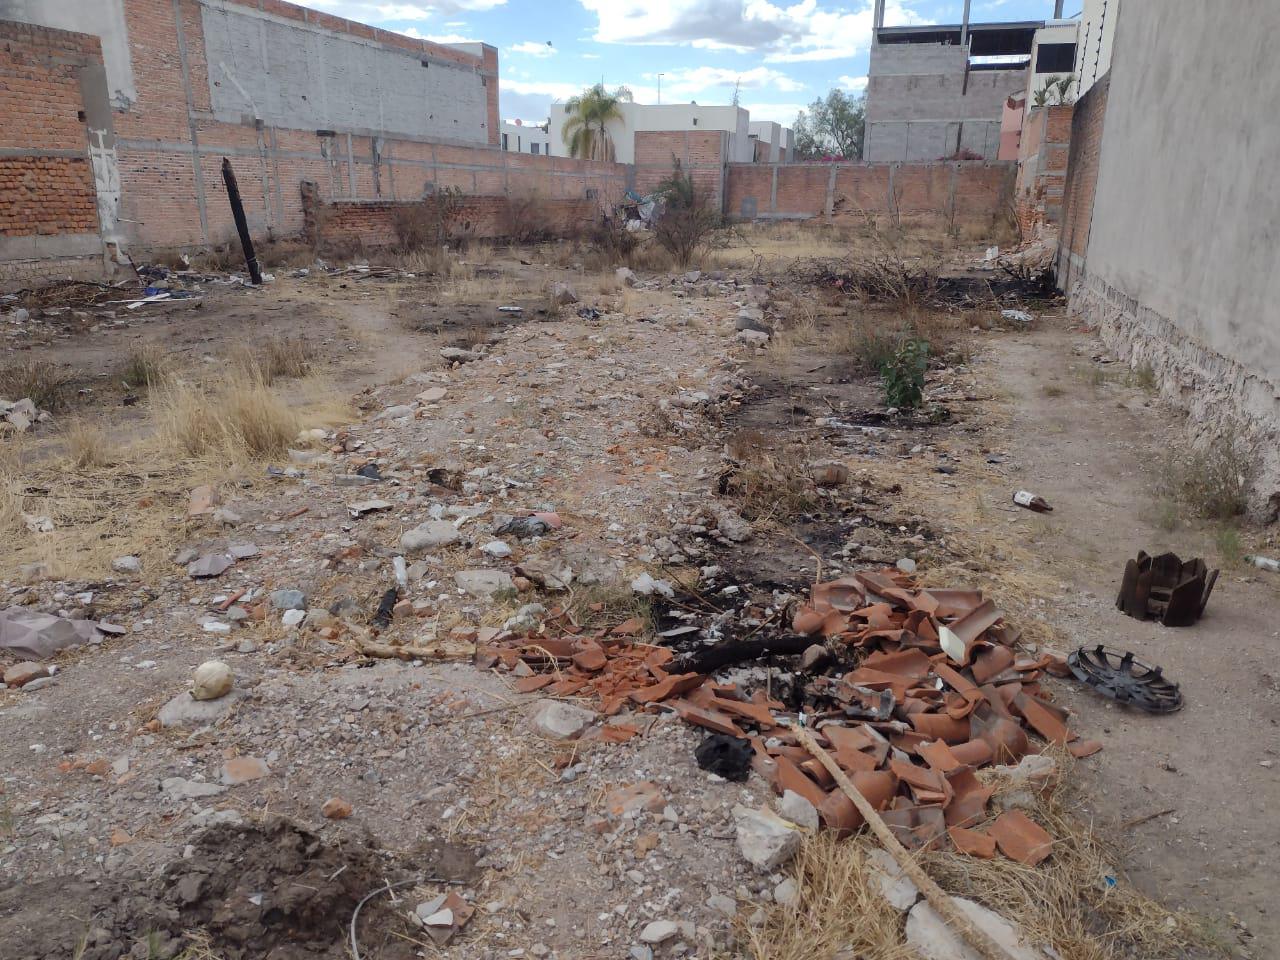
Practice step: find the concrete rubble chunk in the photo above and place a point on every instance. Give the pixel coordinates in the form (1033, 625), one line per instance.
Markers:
(288, 600)
(429, 536)
(459, 355)
(483, 584)
(179, 788)
(561, 721)
(798, 810)
(659, 931)
(185, 711)
(895, 886)
(210, 565)
(933, 939)
(765, 839)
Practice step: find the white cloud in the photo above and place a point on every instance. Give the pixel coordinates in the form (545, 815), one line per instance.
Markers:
(533, 48)
(783, 113)
(589, 56)
(551, 89)
(853, 83)
(698, 81)
(802, 31)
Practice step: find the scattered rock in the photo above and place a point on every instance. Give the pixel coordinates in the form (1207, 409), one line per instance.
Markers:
(210, 565)
(459, 355)
(203, 500)
(753, 324)
(21, 674)
(753, 338)
(906, 565)
(240, 770)
(895, 886)
(433, 394)
(724, 905)
(126, 565)
(829, 473)
(786, 893)
(497, 549)
(429, 536)
(335, 808)
(563, 294)
(288, 600)
(561, 721)
(647, 586)
(798, 810)
(212, 679)
(634, 798)
(185, 711)
(626, 276)
(765, 839)
(179, 788)
(548, 571)
(484, 584)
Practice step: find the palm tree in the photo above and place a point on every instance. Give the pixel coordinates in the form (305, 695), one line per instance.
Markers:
(589, 112)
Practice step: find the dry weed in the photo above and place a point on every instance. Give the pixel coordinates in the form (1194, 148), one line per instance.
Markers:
(241, 420)
(145, 368)
(40, 380)
(85, 444)
(1213, 479)
(769, 485)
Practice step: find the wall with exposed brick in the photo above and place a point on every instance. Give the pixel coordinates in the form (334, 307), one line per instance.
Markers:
(1081, 181)
(48, 204)
(701, 154)
(946, 193)
(1042, 170)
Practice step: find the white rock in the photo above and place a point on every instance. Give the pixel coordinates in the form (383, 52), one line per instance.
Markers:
(764, 838)
(798, 810)
(484, 584)
(212, 679)
(427, 536)
(646, 586)
(291, 618)
(786, 893)
(126, 565)
(895, 886)
(561, 721)
(659, 931)
(626, 276)
(724, 905)
(933, 939)
(496, 548)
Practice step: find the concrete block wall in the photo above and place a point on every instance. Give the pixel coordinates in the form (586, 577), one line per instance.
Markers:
(700, 153)
(48, 202)
(950, 194)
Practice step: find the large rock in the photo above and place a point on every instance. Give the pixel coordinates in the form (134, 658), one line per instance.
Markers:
(429, 536)
(459, 355)
(288, 600)
(764, 838)
(798, 810)
(38, 636)
(184, 711)
(484, 584)
(548, 571)
(561, 721)
(933, 939)
(626, 276)
(659, 931)
(20, 674)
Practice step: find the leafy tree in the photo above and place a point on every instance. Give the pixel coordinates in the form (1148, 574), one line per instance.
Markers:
(833, 126)
(589, 113)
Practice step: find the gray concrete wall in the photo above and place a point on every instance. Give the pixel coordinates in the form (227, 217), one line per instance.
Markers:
(291, 74)
(1181, 268)
(921, 106)
(102, 18)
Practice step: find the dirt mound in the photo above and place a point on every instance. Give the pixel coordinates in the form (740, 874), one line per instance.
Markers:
(270, 890)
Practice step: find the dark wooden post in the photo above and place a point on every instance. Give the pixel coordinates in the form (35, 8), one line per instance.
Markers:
(242, 225)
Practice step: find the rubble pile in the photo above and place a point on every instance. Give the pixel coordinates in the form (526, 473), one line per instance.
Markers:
(911, 689)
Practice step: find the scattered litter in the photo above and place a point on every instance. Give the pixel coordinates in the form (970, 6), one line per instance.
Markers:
(1122, 677)
(1264, 563)
(1166, 588)
(725, 756)
(212, 679)
(1021, 316)
(1025, 498)
(38, 636)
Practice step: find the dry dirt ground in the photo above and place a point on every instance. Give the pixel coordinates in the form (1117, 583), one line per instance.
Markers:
(119, 835)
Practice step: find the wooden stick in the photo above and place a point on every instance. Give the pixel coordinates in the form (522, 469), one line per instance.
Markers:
(939, 900)
(444, 651)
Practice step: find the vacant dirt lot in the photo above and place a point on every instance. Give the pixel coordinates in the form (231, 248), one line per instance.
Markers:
(336, 413)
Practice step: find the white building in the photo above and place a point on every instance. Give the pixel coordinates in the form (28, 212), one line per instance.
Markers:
(524, 138)
(1093, 42)
(775, 143)
(638, 117)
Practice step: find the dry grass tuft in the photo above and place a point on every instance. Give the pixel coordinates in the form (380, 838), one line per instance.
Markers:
(1214, 480)
(839, 913)
(287, 357)
(608, 604)
(86, 444)
(241, 420)
(145, 368)
(41, 381)
(770, 485)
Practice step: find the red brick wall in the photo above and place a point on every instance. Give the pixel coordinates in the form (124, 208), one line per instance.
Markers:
(701, 154)
(949, 193)
(46, 181)
(372, 223)
(1042, 170)
(1081, 181)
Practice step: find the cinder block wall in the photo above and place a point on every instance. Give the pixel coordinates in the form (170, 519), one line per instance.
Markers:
(701, 154)
(48, 204)
(951, 194)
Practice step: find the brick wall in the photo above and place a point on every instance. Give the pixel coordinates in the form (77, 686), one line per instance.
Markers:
(48, 204)
(1081, 181)
(945, 193)
(373, 223)
(700, 153)
(1042, 170)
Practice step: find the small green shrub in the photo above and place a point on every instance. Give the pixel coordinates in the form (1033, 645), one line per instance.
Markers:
(904, 375)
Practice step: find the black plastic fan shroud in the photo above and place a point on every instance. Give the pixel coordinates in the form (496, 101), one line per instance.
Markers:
(1122, 677)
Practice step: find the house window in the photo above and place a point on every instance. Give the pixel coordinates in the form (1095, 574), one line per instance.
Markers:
(1055, 57)
(593, 193)
(505, 144)
(533, 148)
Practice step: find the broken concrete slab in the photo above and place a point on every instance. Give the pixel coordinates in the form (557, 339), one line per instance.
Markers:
(561, 721)
(933, 938)
(429, 536)
(484, 584)
(764, 838)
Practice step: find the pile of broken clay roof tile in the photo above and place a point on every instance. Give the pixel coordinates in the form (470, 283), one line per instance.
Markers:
(934, 692)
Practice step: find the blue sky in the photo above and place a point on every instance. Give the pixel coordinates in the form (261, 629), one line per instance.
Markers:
(783, 56)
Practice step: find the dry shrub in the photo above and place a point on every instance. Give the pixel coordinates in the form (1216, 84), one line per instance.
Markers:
(840, 912)
(241, 420)
(86, 444)
(286, 357)
(436, 219)
(41, 381)
(608, 604)
(526, 218)
(145, 368)
(687, 222)
(769, 486)
(612, 244)
(1213, 479)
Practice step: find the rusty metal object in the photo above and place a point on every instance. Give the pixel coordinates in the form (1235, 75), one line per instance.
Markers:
(1166, 588)
(1120, 676)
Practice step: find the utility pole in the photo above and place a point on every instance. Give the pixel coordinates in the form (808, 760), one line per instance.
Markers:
(964, 27)
(242, 225)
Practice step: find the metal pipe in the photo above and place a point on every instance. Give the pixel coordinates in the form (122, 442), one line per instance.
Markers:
(878, 19)
(964, 27)
(1057, 9)
(242, 225)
